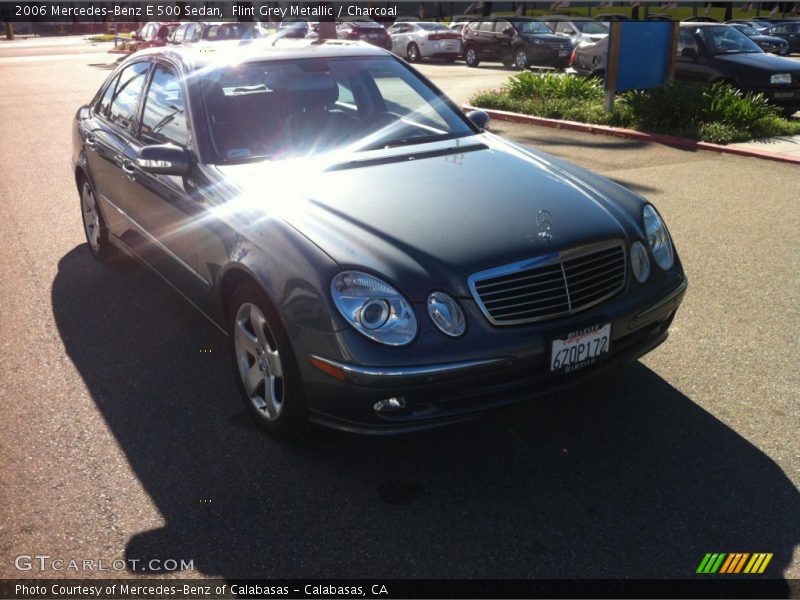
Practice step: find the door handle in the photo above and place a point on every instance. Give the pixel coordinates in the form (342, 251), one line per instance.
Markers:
(129, 170)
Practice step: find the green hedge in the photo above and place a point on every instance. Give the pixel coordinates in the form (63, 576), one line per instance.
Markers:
(716, 113)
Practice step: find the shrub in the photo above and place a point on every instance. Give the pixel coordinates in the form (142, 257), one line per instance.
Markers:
(717, 113)
(728, 105)
(720, 133)
(552, 86)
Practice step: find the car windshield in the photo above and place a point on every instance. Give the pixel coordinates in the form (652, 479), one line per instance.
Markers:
(280, 109)
(531, 27)
(725, 39)
(746, 29)
(591, 27)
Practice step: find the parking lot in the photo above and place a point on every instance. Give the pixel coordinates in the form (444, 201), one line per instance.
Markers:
(122, 434)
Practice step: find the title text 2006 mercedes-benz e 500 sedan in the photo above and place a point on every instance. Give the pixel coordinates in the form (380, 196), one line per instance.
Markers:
(380, 262)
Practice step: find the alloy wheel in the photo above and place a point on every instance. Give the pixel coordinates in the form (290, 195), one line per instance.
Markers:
(258, 361)
(521, 59)
(91, 216)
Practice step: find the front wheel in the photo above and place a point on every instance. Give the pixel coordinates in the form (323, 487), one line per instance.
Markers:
(264, 364)
(471, 56)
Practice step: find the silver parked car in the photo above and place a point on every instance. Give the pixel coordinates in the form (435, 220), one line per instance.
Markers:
(415, 41)
(577, 29)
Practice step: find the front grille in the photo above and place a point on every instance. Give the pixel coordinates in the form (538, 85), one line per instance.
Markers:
(551, 286)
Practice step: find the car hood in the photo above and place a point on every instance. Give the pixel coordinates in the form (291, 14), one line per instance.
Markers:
(762, 61)
(430, 216)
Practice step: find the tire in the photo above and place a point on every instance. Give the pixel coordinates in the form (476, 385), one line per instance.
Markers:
(520, 58)
(412, 53)
(264, 365)
(471, 56)
(94, 225)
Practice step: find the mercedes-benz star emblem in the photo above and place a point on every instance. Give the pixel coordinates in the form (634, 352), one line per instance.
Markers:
(545, 222)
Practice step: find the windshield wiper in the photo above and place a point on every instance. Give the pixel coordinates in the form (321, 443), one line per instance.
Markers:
(420, 139)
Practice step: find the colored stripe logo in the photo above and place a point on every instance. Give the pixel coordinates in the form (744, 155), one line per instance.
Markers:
(734, 563)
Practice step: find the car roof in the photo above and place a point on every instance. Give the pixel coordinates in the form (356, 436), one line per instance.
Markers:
(234, 51)
(560, 18)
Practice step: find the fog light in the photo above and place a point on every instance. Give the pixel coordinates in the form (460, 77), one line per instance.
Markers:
(640, 262)
(390, 404)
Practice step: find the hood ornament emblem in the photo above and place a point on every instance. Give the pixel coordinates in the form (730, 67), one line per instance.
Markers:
(544, 220)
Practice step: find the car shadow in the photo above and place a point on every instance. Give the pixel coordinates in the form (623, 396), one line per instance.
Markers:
(622, 477)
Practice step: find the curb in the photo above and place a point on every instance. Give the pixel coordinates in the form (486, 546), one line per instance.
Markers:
(667, 140)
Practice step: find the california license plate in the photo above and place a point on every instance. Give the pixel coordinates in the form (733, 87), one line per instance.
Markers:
(562, 52)
(580, 348)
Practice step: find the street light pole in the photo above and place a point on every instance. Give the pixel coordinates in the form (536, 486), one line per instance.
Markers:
(9, 30)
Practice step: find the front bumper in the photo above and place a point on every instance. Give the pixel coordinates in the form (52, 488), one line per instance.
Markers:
(440, 393)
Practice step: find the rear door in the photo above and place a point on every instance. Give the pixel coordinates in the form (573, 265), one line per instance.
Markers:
(109, 140)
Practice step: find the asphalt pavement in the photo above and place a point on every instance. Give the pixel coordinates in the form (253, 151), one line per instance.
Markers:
(122, 434)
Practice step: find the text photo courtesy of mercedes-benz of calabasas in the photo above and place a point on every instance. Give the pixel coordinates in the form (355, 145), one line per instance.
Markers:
(270, 187)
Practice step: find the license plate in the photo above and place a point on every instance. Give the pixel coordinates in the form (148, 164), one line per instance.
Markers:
(580, 348)
(562, 52)
(784, 94)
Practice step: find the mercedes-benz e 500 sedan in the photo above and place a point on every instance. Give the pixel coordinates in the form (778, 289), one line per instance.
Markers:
(379, 261)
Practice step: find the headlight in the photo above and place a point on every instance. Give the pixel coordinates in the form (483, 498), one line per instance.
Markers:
(657, 237)
(780, 78)
(640, 263)
(374, 308)
(446, 314)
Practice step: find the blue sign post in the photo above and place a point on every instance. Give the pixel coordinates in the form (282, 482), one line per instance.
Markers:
(641, 55)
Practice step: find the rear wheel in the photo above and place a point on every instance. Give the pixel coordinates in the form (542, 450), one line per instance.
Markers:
(264, 364)
(94, 226)
(521, 58)
(471, 56)
(412, 53)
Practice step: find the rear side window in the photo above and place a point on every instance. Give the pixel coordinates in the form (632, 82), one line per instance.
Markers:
(125, 101)
(105, 102)
(164, 118)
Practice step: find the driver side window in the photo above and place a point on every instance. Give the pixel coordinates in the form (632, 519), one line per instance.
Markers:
(164, 118)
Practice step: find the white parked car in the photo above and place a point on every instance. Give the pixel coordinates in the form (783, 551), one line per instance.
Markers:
(415, 41)
(578, 29)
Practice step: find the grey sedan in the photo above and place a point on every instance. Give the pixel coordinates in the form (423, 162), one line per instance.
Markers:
(269, 186)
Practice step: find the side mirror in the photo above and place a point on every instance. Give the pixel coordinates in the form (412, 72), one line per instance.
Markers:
(509, 31)
(689, 53)
(480, 119)
(569, 31)
(163, 159)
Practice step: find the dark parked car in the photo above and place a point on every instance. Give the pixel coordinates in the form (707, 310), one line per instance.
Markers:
(757, 24)
(517, 41)
(789, 31)
(768, 43)
(611, 17)
(364, 30)
(709, 52)
(253, 180)
(700, 19)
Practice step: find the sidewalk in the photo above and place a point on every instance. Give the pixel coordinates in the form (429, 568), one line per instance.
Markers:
(789, 145)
